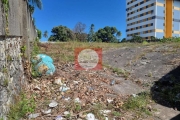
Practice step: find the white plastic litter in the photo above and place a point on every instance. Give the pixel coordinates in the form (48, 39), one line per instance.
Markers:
(90, 116)
(105, 112)
(46, 112)
(109, 100)
(106, 118)
(66, 113)
(134, 95)
(58, 81)
(32, 116)
(64, 88)
(59, 117)
(77, 100)
(53, 104)
(67, 99)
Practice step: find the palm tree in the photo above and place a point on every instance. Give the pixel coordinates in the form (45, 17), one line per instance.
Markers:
(38, 3)
(45, 34)
(118, 35)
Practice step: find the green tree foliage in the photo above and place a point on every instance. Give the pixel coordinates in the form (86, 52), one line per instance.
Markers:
(39, 34)
(136, 38)
(91, 35)
(31, 9)
(38, 3)
(61, 33)
(79, 31)
(45, 34)
(124, 40)
(108, 34)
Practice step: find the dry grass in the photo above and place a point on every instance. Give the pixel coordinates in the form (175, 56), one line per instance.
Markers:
(63, 52)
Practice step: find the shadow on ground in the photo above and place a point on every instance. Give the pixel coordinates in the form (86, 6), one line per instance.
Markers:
(166, 91)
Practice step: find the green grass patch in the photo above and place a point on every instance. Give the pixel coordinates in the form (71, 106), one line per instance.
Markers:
(21, 108)
(139, 103)
(118, 71)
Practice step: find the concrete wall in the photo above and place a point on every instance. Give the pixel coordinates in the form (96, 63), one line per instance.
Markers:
(20, 20)
(21, 32)
(11, 72)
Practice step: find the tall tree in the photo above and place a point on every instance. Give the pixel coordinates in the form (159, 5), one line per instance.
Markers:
(79, 31)
(91, 35)
(45, 34)
(79, 28)
(108, 34)
(39, 33)
(61, 33)
(38, 3)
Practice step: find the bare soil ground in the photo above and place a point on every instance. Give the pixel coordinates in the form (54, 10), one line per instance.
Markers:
(134, 69)
(148, 65)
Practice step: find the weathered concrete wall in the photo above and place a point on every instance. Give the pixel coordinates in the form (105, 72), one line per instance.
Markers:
(20, 21)
(21, 32)
(11, 71)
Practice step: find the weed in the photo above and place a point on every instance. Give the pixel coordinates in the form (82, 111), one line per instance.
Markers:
(6, 82)
(23, 107)
(77, 107)
(139, 57)
(138, 103)
(145, 43)
(96, 110)
(35, 50)
(23, 49)
(68, 116)
(4, 70)
(116, 114)
(9, 58)
(118, 71)
(149, 74)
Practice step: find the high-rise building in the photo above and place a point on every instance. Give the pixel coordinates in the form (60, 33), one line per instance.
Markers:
(157, 18)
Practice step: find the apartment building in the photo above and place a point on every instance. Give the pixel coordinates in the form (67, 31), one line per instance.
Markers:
(147, 18)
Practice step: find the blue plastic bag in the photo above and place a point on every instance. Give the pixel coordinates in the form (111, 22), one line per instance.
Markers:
(43, 64)
(45, 67)
(42, 57)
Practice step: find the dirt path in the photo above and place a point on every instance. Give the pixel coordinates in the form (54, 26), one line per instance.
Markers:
(146, 65)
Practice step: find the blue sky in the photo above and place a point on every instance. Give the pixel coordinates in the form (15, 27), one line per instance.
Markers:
(101, 13)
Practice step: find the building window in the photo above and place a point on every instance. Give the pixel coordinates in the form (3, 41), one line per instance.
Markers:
(141, 2)
(151, 24)
(153, 17)
(152, 11)
(146, 25)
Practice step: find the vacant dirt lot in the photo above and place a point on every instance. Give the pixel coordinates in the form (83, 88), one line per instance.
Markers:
(136, 83)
